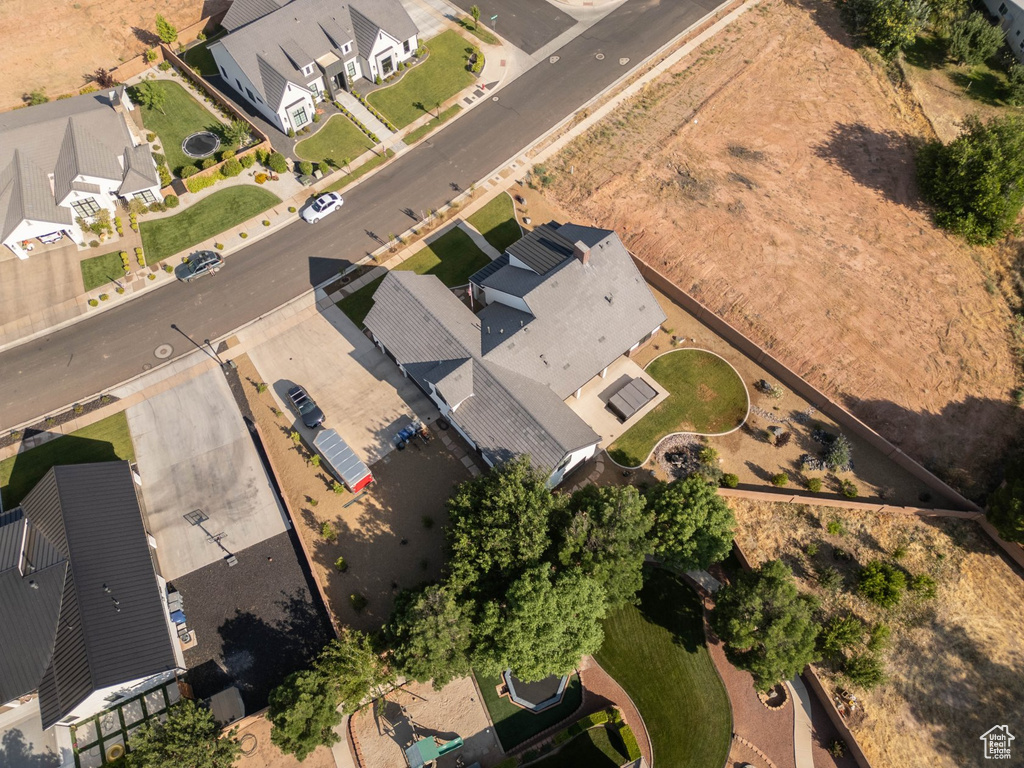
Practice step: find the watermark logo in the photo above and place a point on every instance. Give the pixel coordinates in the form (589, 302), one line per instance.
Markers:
(997, 742)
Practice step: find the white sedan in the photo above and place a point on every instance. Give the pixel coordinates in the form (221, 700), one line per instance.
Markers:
(322, 206)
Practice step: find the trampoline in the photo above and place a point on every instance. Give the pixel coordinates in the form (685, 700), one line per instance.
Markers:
(200, 145)
(535, 696)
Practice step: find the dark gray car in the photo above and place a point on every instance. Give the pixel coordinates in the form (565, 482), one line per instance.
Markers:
(308, 410)
(199, 263)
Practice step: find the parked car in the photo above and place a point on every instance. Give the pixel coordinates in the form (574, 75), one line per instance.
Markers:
(308, 410)
(322, 206)
(199, 263)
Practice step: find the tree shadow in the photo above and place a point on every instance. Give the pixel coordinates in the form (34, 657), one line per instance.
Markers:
(980, 84)
(880, 160)
(15, 752)
(146, 36)
(667, 601)
(926, 52)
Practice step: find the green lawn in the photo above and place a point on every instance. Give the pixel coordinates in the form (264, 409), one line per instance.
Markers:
(513, 724)
(200, 59)
(656, 652)
(210, 216)
(596, 748)
(497, 222)
(338, 140)
(100, 270)
(705, 395)
(362, 170)
(452, 258)
(415, 135)
(987, 82)
(181, 116)
(466, 22)
(106, 440)
(433, 82)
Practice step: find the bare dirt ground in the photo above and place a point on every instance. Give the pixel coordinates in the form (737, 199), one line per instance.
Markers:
(417, 711)
(955, 663)
(266, 755)
(53, 44)
(771, 174)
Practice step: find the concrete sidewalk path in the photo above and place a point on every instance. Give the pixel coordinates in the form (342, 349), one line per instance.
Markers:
(802, 728)
(479, 240)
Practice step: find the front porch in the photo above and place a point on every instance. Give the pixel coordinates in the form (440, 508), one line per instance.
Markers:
(592, 403)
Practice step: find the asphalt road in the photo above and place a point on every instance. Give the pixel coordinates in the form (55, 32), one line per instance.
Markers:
(110, 347)
(528, 24)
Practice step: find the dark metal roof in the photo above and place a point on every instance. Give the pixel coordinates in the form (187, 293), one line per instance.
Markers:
(483, 273)
(112, 627)
(543, 249)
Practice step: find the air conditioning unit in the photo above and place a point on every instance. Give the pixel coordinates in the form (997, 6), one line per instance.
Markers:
(185, 637)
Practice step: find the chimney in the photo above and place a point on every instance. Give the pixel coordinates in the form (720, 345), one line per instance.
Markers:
(581, 251)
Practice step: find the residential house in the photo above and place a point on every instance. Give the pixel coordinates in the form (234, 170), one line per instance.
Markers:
(1009, 15)
(67, 159)
(560, 306)
(283, 58)
(83, 615)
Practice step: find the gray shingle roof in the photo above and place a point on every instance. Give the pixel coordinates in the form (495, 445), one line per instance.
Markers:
(584, 316)
(425, 326)
(272, 41)
(82, 135)
(91, 515)
(139, 170)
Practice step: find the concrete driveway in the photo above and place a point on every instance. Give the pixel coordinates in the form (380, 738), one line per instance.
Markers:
(194, 452)
(363, 394)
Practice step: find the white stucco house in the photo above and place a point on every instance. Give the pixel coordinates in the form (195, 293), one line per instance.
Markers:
(284, 57)
(67, 159)
(561, 305)
(1010, 14)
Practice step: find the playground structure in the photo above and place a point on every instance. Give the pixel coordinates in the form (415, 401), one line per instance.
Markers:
(425, 752)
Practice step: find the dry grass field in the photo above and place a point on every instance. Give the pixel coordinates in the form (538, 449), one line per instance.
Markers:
(771, 174)
(54, 44)
(956, 663)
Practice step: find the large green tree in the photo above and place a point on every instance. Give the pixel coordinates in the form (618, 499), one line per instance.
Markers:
(974, 39)
(431, 631)
(303, 713)
(544, 625)
(888, 25)
(605, 531)
(767, 626)
(976, 182)
(190, 738)
(355, 669)
(693, 526)
(166, 31)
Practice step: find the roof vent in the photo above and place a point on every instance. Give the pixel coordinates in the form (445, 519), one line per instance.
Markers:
(608, 298)
(32, 584)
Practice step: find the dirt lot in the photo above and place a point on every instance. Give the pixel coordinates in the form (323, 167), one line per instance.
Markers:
(956, 663)
(771, 174)
(265, 755)
(52, 44)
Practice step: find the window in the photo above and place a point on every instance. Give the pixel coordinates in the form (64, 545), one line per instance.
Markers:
(351, 70)
(387, 65)
(308, 69)
(239, 84)
(346, 48)
(406, 47)
(222, 72)
(1002, 9)
(145, 196)
(86, 207)
(249, 94)
(299, 117)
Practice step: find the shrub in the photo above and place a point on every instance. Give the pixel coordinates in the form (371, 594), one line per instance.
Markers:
(923, 586)
(839, 633)
(277, 162)
(881, 583)
(340, 565)
(94, 243)
(316, 117)
(291, 209)
(168, 268)
(848, 489)
(93, 303)
(209, 163)
(812, 549)
(266, 222)
(305, 168)
(261, 387)
(814, 484)
(878, 638)
(837, 748)
(829, 578)
(338, 488)
(150, 54)
(359, 602)
(629, 741)
(243, 235)
(899, 552)
(837, 455)
(151, 276)
(291, 133)
(729, 480)
(231, 168)
(119, 289)
(187, 170)
(261, 178)
(888, 25)
(327, 532)
(199, 183)
(157, 207)
(219, 246)
(164, 66)
(835, 527)
(227, 154)
(780, 479)
(973, 39)
(104, 297)
(865, 670)
(247, 161)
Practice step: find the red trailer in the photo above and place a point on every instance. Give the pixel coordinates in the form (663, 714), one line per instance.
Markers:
(342, 460)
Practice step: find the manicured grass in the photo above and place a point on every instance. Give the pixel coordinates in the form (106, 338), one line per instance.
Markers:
(363, 169)
(181, 116)
(338, 140)
(705, 395)
(434, 81)
(497, 222)
(466, 22)
(106, 440)
(453, 257)
(656, 652)
(415, 135)
(513, 724)
(100, 270)
(596, 748)
(210, 216)
(200, 59)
